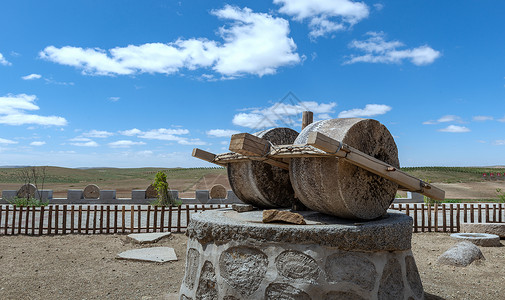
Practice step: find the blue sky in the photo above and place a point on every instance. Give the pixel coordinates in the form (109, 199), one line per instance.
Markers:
(141, 83)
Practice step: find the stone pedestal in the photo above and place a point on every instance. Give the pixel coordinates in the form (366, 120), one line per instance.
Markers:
(235, 256)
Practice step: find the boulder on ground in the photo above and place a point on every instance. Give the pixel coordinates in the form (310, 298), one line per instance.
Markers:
(491, 228)
(479, 239)
(461, 255)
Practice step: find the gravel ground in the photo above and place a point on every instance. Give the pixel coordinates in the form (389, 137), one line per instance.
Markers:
(84, 267)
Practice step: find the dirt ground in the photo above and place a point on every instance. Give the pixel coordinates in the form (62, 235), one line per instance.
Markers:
(84, 267)
(471, 190)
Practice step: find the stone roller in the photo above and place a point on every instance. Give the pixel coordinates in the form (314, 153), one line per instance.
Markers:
(262, 184)
(335, 186)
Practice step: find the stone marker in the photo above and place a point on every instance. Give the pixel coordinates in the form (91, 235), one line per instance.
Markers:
(461, 255)
(74, 194)
(337, 187)
(91, 191)
(274, 215)
(480, 239)
(27, 191)
(153, 254)
(491, 228)
(242, 207)
(151, 192)
(107, 194)
(146, 238)
(217, 191)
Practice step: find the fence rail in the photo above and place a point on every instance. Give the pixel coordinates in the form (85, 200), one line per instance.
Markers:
(447, 217)
(96, 219)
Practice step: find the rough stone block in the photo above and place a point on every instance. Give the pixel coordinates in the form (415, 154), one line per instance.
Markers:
(461, 255)
(202, 196)
(491, 228)
(9, 194)
(153, 254)
(242, 207)
(107, 194)
(75, 194)
(147, 238)
(138, 194)
(44, 195)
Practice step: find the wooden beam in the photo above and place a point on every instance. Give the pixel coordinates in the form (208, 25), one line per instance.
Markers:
(207, 156)
(248, 144)
(307, 118)
(371, 164)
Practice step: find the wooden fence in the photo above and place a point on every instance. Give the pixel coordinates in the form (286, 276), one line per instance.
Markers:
(93, 219)
(447, 217)
(96, 219)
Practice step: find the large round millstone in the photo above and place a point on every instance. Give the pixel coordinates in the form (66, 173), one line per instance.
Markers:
(261, 184)
(235, 256)
(27, 191)
(337, 187)
(91, 191)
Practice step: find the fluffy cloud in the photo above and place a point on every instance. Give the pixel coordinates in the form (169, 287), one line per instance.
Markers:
(501, 120)
(98, 134)
(369, 111)
(444, 119)
(378, 50)
(31, 77)
(3, 61)
(164, 134)
(254, 43)
(37, 143)
(499, 142)
(221, 132)
(454, 128)
(86, 144)
(287, 114)
(13, 107)
(482, 118)
(325, 16)
(114, 99)
(125, 144)
(6, 141)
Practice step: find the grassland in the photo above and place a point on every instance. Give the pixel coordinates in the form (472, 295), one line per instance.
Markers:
(186, 180)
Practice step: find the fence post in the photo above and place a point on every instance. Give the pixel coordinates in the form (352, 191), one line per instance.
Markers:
(472, 214)
(170, 218)
(72, 218)
(148, 221)
(1, 208)
(429, 218)
(49, 220)
(88, 212)
(452, 218)
(155, 217)
(115, 218)
(132, 218)
(458, 219)
(79, 221)
(480, 213)
(95, 213)
(13, 219)
(108, 219)
(64, 219)
(415, 217)
(444, 217)
(487, 213)
(41, 220)
(179, 218)
(123, 221)
(187, 216)
(20, 219)
(436, 217)
(139, 222)
(162, 221)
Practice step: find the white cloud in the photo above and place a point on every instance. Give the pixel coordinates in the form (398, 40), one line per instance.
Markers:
(501, 120)
(163, 134)
(454, 128)
(483, 118)
(13, 107)
(378, 50)
(114, 99)
(378, 6)
(37, 143)
(98, 134)
(499, 142)
(325, 16)
(125, 144)
(6, 141)
(3, 61)
(31, 77)
(80, 139)
(221, 132)
(86, 144)
(254, 43)
(280, 113)
(130, 132)
(193, 142)
(444, 119)
(369, 111)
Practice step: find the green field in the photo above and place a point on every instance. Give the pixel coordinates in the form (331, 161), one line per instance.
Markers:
(451, 174)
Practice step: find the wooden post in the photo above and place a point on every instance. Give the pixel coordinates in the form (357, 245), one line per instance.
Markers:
(72, 217)
(429, 218)
(307, 118)
(56, 218)
(472, 217)
(33, 220)
(436, 217)
(6, 225)
(155, 219)
(415, 217)
(132, 217)
(162, 221)
(422, 217)
(79, 221)
(187, 216)
(50, 220)
(487, 213)
(115, 218)
(452, 217)
(179, 218)
(88, 212)
(123, 221)
(458, 219)
(13, 220)
(139, 222)
(480, 213)
(101, 218)
(108, 219)
(41, 220)
(20, 219)
(499, 213)
(170, 218)
(1, 208)
(148, 221)
(95, 213)
(64, 219)
(465, 213)
(444, 217)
